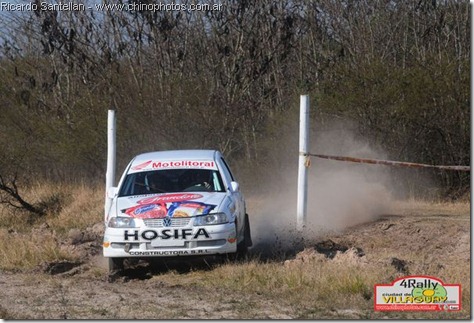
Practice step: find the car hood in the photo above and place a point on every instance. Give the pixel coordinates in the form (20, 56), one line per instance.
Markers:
(183, 204)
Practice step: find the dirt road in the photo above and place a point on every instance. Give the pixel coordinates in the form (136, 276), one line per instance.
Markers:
(418, 240)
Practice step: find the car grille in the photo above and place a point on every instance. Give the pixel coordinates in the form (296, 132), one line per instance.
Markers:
(175, 222)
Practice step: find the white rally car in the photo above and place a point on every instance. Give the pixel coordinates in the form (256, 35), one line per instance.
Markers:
(175, 203)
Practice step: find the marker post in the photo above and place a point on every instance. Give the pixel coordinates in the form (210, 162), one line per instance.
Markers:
(111, 152)
(302, 199)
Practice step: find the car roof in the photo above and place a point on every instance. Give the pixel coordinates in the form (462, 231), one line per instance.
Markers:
(196, 154)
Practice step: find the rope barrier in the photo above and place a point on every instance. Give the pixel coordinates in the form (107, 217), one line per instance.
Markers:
(390, 163)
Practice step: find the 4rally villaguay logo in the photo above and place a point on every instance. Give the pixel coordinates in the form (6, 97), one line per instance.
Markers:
(417, 293)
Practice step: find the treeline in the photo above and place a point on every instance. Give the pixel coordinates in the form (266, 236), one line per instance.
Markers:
(231, 80)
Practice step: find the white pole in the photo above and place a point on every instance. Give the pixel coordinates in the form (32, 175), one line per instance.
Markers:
(302, 164)
(110, 175)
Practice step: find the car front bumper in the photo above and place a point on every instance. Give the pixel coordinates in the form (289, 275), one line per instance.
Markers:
(169, 242)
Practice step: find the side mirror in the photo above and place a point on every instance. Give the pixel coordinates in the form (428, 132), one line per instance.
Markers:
(112, 192)
(234, 187)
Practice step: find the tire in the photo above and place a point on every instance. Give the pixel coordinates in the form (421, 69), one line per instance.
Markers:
(243, 246)
(248, 236)
(115, 264)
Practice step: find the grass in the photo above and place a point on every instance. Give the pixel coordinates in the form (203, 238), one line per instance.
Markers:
(314, 282)
(27, 240)
(412, 206)
(312, 288)
(25, 251)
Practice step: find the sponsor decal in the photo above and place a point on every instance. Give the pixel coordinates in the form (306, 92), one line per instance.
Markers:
(149, 235)
(417, 293)
(169, 198)
(169, 205)
(156, 164)
(148, 211)
(187, 209)
(183, 164)
(142, 165)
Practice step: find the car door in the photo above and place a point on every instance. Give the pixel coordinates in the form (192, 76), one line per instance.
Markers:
(237, 196)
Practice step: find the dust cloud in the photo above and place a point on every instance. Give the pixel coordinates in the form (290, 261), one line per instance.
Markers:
(340, 194)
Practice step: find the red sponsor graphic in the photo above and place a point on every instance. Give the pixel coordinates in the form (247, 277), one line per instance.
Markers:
(184, 163)
(148, 211)
(142, 165)
(169, 198)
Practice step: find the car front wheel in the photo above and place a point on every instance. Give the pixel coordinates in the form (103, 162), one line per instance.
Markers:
(115, 264)
(243, 246)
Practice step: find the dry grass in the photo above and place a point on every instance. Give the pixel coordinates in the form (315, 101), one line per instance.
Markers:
(27, 250)
(68, 206)
(430, 236)
(316, 283)
(412, 206)
(84, 208)
(27, 240)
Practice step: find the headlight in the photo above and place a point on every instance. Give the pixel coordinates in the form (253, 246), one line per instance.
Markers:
(209, 219)
(121, 222)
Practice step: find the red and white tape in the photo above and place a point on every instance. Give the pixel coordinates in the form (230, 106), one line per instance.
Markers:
(391, 163)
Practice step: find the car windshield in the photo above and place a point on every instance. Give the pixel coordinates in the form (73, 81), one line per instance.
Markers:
(172, 180)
